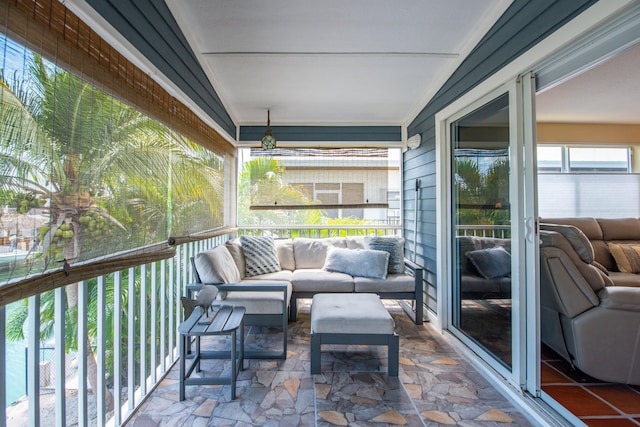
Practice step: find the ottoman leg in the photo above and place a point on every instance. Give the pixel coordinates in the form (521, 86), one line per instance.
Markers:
(394, 354)
(315, 353)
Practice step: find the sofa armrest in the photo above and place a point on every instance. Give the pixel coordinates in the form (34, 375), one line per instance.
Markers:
(239, 287)
(252, 287)
(624, 298)
(417, 272)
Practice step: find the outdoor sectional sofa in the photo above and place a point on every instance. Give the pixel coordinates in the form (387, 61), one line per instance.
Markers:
(306, 267)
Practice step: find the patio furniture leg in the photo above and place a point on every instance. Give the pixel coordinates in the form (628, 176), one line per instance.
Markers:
(393, 350)
(316, 344)
(183, 345)
(233, 365)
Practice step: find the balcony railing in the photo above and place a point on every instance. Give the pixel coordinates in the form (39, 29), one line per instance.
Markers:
(313, 231)
(124, 326)
(123, 329)
(500, 231)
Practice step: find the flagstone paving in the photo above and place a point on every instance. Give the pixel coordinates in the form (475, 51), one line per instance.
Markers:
(435, 386)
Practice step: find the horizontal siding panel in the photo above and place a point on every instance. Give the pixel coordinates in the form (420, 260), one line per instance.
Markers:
(149, 26)
(325, 133)
(523, 24)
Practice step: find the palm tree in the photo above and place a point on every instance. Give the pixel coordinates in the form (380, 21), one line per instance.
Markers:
(476, 190)
(261, 183)
(85, 153)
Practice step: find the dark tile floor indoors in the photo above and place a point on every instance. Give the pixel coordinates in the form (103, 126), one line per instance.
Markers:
(435, 386)
(595, 402)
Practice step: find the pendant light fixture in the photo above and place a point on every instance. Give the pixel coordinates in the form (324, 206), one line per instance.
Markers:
(268, 140)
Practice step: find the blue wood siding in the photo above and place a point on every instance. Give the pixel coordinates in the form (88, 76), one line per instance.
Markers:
(523, 25)
(150, 27)
(325, 133)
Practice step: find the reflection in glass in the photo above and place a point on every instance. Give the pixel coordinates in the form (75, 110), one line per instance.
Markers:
(482, 231)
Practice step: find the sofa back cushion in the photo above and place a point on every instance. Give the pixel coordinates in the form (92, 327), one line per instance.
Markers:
(619, 229)
(216, 266)
(235, 249)
(310, 253)
(284, 249)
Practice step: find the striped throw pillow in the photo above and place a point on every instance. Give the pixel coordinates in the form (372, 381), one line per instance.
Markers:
(260, 255)
(627, 256)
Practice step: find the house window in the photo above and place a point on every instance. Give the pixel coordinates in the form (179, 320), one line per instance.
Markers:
(309, 185)
(583, 159)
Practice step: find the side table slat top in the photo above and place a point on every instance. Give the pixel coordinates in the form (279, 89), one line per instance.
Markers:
(221, 318)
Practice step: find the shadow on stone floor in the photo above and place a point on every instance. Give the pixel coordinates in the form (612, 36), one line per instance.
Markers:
(435, 386)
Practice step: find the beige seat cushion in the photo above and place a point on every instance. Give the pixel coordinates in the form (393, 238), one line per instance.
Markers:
(258, 302)
(350, 314)
(318, 280)
(278, 276)
(393, 283)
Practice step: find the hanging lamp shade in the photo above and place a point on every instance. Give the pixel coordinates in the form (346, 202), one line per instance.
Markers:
(268, 140)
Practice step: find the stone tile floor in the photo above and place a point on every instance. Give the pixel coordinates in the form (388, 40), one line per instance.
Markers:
(435, 386)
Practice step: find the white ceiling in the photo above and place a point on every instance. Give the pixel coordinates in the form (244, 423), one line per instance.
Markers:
(607, 93)
(331, 61)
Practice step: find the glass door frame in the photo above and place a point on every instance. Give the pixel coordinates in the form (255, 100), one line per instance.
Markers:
(522, 229)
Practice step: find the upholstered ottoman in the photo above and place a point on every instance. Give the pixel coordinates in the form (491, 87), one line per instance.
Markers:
(352, 319)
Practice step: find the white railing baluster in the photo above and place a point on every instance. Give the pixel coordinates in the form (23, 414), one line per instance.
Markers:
(59, 356)
(100, 350)
(83, 301)
(154, 322)
(170, 332)
(131, 343)
(182, 276)
(3, 366)
(33, 360)
(163, 314)
(143, 330)
(117, 352)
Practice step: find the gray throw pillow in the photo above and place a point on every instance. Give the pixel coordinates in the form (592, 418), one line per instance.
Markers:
(357, 262)
(491, 263)
(260, 255)
(393, 245)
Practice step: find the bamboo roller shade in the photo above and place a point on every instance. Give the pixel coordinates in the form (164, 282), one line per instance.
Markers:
(49, 28)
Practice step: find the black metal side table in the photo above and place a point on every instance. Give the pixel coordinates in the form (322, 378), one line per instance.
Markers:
(225, 320)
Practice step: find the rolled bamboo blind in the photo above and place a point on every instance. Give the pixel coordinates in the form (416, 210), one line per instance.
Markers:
(48, 27)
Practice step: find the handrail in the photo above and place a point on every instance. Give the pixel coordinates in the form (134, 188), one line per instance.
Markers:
(150, 282)
(178, 240)
(72, 273)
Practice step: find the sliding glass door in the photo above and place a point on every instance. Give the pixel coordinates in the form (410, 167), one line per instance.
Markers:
(487, 230)
(481, 228)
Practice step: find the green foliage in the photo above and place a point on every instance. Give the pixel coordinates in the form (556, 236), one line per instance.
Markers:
(261, 183)
(23, 202)
(485, 195)
(109, 177)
